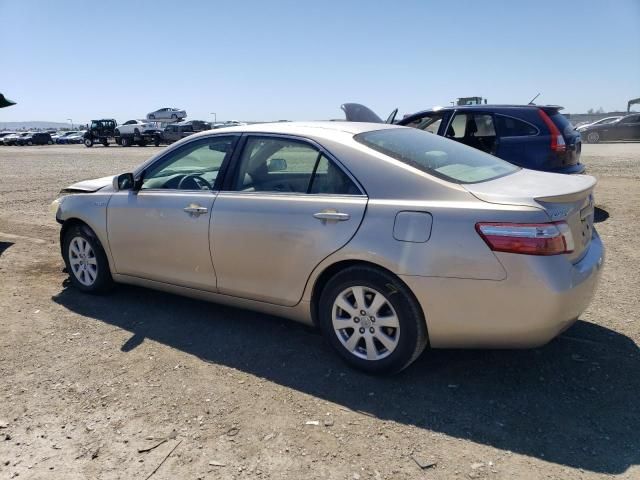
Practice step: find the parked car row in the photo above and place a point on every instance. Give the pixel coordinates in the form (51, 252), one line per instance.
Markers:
(26, 138)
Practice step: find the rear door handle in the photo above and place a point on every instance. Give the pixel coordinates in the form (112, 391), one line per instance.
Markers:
(194, 210)
(332, 215)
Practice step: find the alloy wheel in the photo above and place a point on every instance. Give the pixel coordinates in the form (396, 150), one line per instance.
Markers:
(83, 261)
(366, 323)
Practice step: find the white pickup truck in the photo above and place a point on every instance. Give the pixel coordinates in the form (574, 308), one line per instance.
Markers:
(137, 131)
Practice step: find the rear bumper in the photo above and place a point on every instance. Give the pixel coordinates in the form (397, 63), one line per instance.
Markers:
(541, 297)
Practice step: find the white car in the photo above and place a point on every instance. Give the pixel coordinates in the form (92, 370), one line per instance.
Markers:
(167, 114)
(134, 127)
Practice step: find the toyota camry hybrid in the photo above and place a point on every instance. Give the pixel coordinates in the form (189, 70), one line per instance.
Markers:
(388, 238)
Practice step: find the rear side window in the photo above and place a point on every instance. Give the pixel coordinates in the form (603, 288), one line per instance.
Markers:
(435, 155)
(270, 164)
(512, 127)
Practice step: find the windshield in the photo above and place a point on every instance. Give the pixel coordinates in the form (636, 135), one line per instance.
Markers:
(435, 155)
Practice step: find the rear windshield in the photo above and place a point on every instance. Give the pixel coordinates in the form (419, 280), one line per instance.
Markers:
(563, 124)
(435, 155)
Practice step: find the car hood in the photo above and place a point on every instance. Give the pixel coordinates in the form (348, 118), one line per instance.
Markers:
(89, 186)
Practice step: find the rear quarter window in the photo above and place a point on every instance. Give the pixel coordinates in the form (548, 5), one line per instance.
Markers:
(432, 154)
(512, 127)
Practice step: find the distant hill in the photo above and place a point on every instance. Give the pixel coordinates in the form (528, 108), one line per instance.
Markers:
(33, 125)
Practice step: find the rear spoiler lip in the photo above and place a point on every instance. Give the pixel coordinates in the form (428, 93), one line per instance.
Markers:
(550, 108)
(568, 197)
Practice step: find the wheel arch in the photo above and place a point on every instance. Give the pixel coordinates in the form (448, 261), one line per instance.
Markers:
(323, 278)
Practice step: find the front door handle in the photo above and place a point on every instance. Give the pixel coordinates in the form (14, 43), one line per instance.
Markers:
(332, 215)
(195, 210)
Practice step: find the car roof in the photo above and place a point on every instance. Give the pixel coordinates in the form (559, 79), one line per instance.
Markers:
(487, 107)
(322, 129)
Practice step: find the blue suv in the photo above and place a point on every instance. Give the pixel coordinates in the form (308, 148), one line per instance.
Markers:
(530, 136)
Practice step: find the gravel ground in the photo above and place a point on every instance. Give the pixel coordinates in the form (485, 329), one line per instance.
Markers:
(121, 385)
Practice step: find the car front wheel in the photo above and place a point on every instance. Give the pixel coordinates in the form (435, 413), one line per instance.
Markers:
(85, 260)
(372, 320)
(88, 142)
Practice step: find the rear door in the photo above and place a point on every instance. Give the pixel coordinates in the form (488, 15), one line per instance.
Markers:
(475, 129)
(286, 205)
(516, 140)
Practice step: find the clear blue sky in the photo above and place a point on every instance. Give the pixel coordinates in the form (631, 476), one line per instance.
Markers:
(265, 60)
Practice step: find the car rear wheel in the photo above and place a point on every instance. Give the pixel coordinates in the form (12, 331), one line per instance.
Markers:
(85, 260)
(372, 320)
(88, 142)
(105, 142)
(50, 142)
(593, 137)
(30, 143)
(125, 142)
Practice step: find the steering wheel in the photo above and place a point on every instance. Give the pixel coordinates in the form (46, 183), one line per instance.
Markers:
(196, 179)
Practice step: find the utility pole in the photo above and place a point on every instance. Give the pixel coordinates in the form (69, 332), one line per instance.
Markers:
(214, 117)
(71, 121)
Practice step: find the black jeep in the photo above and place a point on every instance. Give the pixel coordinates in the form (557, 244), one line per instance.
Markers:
(100, 131)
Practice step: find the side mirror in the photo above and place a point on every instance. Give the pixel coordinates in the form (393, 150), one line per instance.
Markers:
(124, 181)
(277, 165)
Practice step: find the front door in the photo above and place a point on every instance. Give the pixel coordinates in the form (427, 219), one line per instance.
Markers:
(286, 207)
(161, 231)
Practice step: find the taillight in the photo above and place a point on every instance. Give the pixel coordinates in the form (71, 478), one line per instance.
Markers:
(557, 140)
(527, 238)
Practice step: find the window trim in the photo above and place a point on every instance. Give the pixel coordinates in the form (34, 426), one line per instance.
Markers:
(230, 173)
(139, 175)
(500, 134)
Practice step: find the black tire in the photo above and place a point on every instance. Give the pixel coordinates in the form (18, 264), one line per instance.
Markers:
(142, 143)
(103, 281)
(88, 142)
(105, 143)
(125, 142)
(50, 142)
(412, 331)
(156, 141)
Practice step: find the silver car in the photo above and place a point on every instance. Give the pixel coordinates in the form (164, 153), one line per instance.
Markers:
(387, 238)
(167, 113)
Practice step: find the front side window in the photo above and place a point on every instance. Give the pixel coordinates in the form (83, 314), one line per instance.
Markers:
(435, 155)
(193, 166)
(270, 164)
(429, 123)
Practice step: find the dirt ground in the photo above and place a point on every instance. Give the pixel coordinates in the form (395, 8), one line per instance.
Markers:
(87, 383)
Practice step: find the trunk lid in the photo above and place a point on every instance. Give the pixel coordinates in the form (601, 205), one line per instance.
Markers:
(566, 198)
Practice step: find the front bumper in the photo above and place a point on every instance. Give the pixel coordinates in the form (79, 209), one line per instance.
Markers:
(540, 298)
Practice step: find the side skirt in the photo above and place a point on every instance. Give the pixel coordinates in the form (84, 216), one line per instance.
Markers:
(299, 313)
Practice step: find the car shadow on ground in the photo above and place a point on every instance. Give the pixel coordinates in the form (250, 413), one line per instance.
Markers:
(600, 215)
(573, 402)
(4, 246)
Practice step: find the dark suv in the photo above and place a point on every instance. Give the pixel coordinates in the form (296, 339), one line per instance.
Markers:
(40, 138)
(530, 136)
